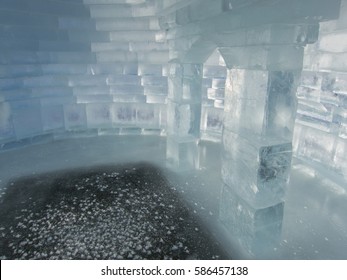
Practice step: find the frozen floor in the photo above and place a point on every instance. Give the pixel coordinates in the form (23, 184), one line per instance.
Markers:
(315, 217)
(110, 212)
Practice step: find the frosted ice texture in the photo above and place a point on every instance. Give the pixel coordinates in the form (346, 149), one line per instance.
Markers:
(320, 132)
(183, 119)
(257, 229)
(261, 103)
(185, 82)
(211, 119)
(184, 107)
(257, 170)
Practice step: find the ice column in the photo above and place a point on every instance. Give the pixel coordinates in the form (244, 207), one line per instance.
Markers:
(183, 117)
(260, 107)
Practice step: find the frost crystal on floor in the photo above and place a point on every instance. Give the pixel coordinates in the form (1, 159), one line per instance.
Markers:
(130, 213)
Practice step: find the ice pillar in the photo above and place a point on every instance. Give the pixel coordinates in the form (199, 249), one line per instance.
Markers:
(184, 111)
(260, 108)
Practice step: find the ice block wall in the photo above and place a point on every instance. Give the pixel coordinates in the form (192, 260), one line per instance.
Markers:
(222, 70)
(320, 137)
(262, 44)
(78, 67)
(213, 94)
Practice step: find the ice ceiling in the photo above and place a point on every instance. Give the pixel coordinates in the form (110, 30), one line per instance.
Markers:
(263, 79)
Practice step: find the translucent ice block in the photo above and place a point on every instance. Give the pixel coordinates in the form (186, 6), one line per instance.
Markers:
(133, 36)
(316, 145)
(109, 11)
(214, 71)
(218, 83)
(124, 80)
(124, 114)
(113, 24)
(59, 69)
(129, 98)
(9, 83)
(45, 81)
(258, 230)
(147, 46)
(183, 119)
(26, 117)
(156, 99)
(57, 46)
(56, 100)
(211, 119)
(219, 103)
(311, 79)
(156, 57)
(261, 102)
(148, 115)
(75, 116)
(213, 93)
(130, 68)
(307, 93)
(106, 46)
(106, 68)
(75, 23)
(316, 110)
(154, 81)
(52, 117)
(116, 56)
(87, 80)
(99, 115)
(7, 71)
(91, 90)
(333, 42)
(18, 57)
(126, 89)
(154, 90)
(51, 91)
(340, 157)
(182, 154)
(257, 170)
(65, 57)
(98, 98)
(245, 99)
(275, 58)
(185, 82)
(6, 126)
(147, 9)
(335, 82)
(341, 120)
(150, 70)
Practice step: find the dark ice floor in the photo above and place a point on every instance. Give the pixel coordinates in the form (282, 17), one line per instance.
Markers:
(314, 223)
(110, 212)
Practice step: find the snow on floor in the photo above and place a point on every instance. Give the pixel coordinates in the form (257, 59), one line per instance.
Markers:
(115, 212)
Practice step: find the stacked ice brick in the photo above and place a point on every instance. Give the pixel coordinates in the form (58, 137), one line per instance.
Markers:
(73, 66)
(37, 56)
(213, 89)
(189, 108)
(263, 48)
(321, 125)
